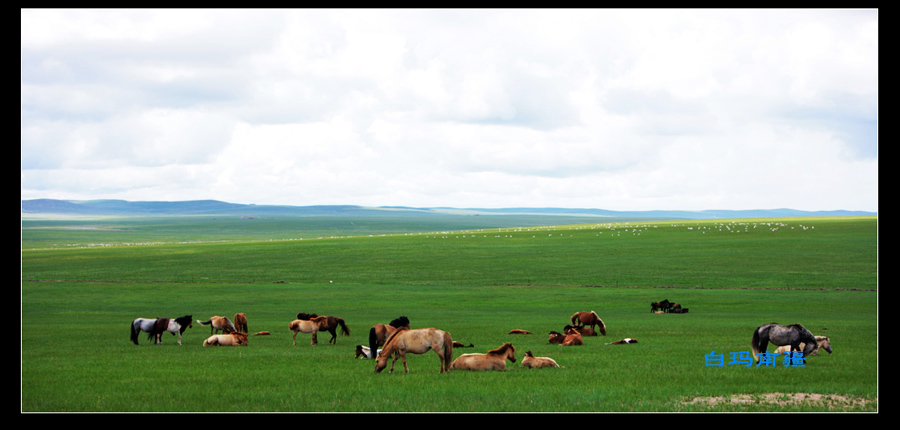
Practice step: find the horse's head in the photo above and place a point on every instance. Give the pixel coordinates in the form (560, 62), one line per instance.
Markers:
(824, 343)
(510, 352)
(380, 362)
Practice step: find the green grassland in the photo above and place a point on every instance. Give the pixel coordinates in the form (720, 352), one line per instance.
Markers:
(84, 280)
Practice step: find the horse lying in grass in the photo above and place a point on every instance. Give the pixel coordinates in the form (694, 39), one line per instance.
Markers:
(584, 331)
(419, 341)
(519, 331)
(571, 338)
(532, 362)
(308, 326)
(365, 352)
(493, 360)
(155, 327)
(231, 339)
(217, 323)
(623, 341)
(822, 341)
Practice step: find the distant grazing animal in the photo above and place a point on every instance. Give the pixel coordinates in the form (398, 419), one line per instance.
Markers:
(155, 327)
(419, 341)
(533, 362)
(380, 332)
(518, 331)
(240, 320)
(663, 305)
(217, 323)
(822, 341)
(623, 341)
(235, 338)
(781, 335)
(585, 331)
(308, 326)
(493, 360)
(589, 319)
(365, 352)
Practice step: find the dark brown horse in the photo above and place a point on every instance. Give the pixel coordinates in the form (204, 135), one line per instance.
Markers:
(589, 319)
(663, 305)
(331, 325)
(240, 321)
(379, 332)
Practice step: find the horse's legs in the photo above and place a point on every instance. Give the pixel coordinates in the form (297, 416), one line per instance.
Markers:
(315, 338)
(295, 338)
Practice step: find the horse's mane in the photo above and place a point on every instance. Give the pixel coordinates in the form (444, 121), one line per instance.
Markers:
(399, 322)
(502, 349)
(393, 335)
(185, 320)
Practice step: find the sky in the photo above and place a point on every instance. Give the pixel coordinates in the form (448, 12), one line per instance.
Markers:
(619, 109)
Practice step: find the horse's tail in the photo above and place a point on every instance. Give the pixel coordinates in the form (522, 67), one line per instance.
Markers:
(754, 343)
(134, 332)
(207, 322)
(448, 350)
(373, 341)
(344, 329)
(575, 318)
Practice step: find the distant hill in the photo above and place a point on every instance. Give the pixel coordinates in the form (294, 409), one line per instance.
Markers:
(215, 207)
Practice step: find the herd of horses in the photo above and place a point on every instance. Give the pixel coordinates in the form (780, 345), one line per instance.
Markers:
(397, 339)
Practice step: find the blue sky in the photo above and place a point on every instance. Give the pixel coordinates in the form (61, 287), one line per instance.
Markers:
(621, 109)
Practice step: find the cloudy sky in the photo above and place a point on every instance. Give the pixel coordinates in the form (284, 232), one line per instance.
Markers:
(599, 108)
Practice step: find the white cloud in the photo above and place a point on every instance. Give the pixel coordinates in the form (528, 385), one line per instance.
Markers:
(616, 109)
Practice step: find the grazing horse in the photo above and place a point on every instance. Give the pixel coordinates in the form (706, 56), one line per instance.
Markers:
(308, 326)
(532, 362)
(589, 318)
(217, 323)
(235, 338)
(155, 327)
(240, 320)
(663, 305)
(419, 341)
(331, 325)
(823, 343)
(780, 335)
(585, 331)
(380, 332)
(493, 360)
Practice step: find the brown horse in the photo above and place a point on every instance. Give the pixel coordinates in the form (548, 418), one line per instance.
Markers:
(331, 325)
(532, 362)
(663, 305)
(308, 326)
(240, 320)
(589, 318)
(519, 331)
(571, 338)
(217, 323)
(231, 339)
(419, 341)
(380, 332)
(585, 331)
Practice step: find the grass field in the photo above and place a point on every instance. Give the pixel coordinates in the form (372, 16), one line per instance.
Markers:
(84, 280)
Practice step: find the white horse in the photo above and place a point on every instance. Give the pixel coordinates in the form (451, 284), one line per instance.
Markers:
(822, 341)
